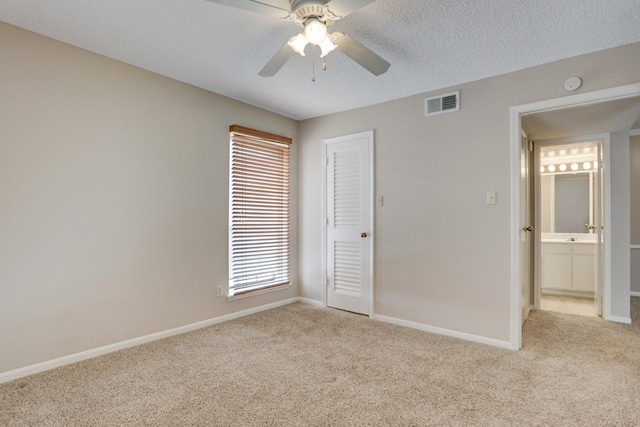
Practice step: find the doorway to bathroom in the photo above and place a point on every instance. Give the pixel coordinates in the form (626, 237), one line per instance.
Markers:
(612, 112)
(569, 212)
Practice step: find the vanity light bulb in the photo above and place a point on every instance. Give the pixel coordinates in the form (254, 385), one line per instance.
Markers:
(541, 168)
(563, 167)
(552, 168)
(574, 166)
(586, 165)
(595, 165)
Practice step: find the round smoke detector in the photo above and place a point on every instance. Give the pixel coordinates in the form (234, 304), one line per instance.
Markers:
(572, 83)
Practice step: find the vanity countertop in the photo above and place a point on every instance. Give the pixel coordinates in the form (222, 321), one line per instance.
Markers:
(586, 242)
(567, 238)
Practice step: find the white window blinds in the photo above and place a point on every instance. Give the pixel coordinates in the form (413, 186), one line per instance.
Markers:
(258, 211)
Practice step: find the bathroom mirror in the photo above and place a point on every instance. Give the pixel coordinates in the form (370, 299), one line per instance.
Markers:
(566, 202)
(572, 203)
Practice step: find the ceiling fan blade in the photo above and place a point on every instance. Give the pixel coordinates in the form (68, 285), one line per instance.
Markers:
(278, 60)
(255, 6)
(342, 8)
(360, 53)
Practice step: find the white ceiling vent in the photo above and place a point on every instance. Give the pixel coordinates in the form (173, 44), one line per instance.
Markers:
(446, 103)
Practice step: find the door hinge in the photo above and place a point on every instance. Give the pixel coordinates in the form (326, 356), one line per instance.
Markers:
(327, 161)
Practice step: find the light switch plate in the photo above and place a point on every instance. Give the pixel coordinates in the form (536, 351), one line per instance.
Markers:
(491, 197)
(379, 201)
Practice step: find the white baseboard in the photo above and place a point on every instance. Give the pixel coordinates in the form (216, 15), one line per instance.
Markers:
(635, 294)
(77, 357)
(310, 301)
(443, 331)
(619, 319)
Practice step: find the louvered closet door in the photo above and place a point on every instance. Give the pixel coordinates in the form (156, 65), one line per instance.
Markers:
(349, 229)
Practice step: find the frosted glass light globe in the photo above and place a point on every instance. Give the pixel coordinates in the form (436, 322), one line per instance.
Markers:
(298, 43)
(315, 31)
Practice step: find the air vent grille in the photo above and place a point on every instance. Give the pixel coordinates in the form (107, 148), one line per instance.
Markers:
(449, 102)
(446, 103)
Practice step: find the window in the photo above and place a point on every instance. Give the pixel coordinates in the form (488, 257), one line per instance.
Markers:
(258, 211)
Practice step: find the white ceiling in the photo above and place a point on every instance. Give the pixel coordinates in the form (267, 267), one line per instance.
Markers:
(431, 44)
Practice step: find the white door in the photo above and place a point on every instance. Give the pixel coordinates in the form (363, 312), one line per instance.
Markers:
(349, 222)
(527, 230)
(598, 216)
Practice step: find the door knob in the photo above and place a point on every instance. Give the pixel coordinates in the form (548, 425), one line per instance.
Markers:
(363, 234)
(527, 228)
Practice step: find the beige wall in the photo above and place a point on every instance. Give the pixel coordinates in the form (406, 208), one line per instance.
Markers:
(113, 192)
(635, 211)
(442, 256)
(620, 224)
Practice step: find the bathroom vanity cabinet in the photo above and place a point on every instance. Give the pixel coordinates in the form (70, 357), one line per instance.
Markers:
(568, 268)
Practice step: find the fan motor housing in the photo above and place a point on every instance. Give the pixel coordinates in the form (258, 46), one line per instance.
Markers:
(304, 9)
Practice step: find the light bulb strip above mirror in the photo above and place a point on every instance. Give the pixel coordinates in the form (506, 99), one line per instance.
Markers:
(566, 167)
(568, 158)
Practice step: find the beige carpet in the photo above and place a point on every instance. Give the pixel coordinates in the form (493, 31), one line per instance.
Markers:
(304, 366)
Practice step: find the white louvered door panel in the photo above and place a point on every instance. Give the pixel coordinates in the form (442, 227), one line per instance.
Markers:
(349, 203)
(347, 276)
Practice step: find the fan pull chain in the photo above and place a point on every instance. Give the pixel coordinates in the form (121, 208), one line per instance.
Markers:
(313, 64)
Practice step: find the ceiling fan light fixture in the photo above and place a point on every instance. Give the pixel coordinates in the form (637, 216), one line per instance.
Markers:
(314, 16)
(298, 43)
(315, 31)
(326, 46)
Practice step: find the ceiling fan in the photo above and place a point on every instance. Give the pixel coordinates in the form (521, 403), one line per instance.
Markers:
(314, 16)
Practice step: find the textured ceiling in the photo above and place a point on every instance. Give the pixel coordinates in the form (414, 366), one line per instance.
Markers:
(431, 44)
(602, 117)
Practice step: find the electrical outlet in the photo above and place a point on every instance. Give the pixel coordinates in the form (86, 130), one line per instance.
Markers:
(219, 290)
